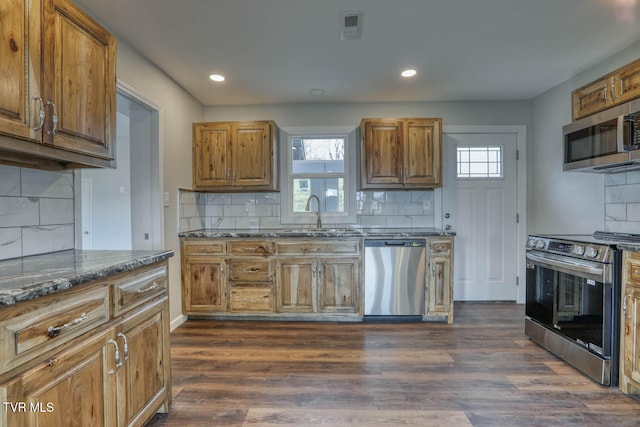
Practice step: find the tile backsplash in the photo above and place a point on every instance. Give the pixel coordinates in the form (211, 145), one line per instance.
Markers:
(36, 211)
(391, 209)
(622, 202)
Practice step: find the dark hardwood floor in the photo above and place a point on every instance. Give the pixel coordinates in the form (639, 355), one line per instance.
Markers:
(479, 371)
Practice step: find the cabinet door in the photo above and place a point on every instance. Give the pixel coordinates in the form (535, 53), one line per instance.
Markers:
(438, 295)
(204, 284)
(212, 154)
(252, 154)
(19, 44)
(422, 151)
(72, 389)
(626, 82)
(79, 71)
(294, 285)
(591, 98)
(631, 341)
(381, 152)
(144, 377)
(337, 285)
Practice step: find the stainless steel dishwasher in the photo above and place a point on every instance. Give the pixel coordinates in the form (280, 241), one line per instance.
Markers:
(394, 277)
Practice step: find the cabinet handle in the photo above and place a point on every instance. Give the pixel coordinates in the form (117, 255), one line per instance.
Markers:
(613, 88)
(54, 331)
(605, 91)
(117, 357)
(41, 114)
(54, 119)
(125, 347)
(251, 270)
(234, 174)
(636, 272)
(228, 174)
(153, 286)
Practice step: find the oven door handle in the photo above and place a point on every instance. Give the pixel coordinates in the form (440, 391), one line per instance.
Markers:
(569, 267)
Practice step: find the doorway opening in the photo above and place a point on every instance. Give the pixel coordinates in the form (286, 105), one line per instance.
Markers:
(122, 208)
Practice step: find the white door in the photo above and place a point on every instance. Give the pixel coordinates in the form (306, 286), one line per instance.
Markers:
(479, 202)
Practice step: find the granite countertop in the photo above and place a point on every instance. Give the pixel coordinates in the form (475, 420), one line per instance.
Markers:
(34, 276)
(323, 232)
(628, 246)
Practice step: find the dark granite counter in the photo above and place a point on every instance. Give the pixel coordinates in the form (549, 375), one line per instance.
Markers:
(628, 246)
(38, 275)
(324, 232)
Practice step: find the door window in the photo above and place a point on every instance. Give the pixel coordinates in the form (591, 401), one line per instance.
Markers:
(479, 162)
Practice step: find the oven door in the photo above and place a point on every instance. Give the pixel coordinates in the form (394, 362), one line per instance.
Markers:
(571, 297)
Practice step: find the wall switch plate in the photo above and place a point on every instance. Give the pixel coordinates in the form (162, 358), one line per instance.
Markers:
(166, 200)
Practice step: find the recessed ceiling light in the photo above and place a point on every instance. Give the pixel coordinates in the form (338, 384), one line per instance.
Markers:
(408, 73)
(217, 77)
(316, 92)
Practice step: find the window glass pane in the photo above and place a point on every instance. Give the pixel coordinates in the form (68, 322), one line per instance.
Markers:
(330, 191)
(479, 162)
(316, 155)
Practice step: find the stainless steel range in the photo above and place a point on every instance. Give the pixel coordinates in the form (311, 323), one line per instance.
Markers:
(573, 300)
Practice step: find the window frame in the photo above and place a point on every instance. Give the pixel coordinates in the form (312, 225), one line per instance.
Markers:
(287, 216)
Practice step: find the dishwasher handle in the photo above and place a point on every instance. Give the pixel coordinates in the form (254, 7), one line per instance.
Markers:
(414, 243)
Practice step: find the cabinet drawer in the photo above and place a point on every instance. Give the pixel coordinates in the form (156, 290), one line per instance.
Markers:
(33, 327)
(632, 266)
(250, 270)
(440, 248)
(251, 298)
(250, 247)
(132, 291)
(329, 247)
(203, 247)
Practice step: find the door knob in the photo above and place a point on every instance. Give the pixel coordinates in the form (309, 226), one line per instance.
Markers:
(447, 215)
(447, 227)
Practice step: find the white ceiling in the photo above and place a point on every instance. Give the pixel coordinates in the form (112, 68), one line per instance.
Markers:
(275, 51)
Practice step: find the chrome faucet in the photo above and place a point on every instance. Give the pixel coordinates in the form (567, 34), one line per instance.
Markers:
(306, 208)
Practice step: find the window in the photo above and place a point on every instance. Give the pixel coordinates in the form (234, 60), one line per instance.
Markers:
(479, 162)
(319, 164)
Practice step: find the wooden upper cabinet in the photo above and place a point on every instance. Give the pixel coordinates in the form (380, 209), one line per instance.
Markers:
(58, 86)
(401, 153)
(626, 82)
(382, 151)
(235, 156)
(619, 86)
(19, 47)
(79, 65)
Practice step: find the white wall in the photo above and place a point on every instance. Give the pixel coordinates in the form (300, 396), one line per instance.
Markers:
(177, 111)
(564, 202)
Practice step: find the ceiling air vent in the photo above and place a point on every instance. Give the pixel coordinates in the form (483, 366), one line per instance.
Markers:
(351, 25)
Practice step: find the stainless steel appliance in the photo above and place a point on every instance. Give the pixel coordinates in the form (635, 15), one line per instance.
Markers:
(573, 298)
(394, 277)
(606, 142)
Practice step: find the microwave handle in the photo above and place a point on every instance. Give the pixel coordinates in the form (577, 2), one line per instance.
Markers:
(620, 135)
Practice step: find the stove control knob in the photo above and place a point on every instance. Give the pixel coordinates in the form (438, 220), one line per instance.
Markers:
(540, 244)
(531, 242)
(591, 252)
(578, 250)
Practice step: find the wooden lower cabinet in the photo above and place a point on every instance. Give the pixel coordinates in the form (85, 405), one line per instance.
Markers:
(76, 388)
(144, 379)
(297, 278)
(317, 285)
(294, 285)
(116, 374)
(338, 280)
(439, 290)
(204, 284)
(630, 327)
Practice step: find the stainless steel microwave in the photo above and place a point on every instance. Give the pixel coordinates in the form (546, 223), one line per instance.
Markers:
(606, 142)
